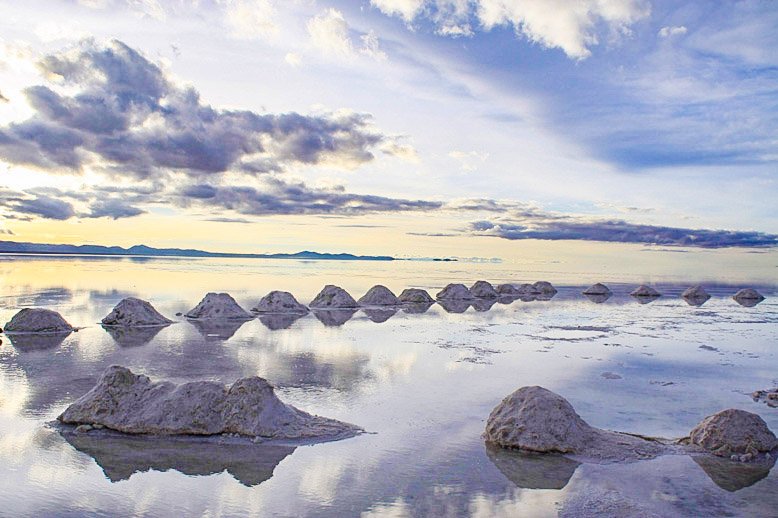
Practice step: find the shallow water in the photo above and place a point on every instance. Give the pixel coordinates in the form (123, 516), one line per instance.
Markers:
(422, 384)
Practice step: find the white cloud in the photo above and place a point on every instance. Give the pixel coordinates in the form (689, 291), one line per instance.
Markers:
(666, 32)
(371, 47)
(329, 32)
(251, 19)
(293, 59)
(570, 25)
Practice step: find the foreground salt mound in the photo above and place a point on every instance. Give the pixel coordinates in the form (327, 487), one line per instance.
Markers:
(281, 302)
(597, 289)
(333, 297)
(734, 432)
(537, 420)
(132, 312)
(645, 291)
(544, 288)
(379, 295)
(455, 292)
(132, 403)
(415, 296)
(748, 294)
(695, 292)
(218, 305)
(483, 290)
(37, 320)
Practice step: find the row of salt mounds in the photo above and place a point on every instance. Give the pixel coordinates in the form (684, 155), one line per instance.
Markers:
(415, 296)
(218, 305)
(132, 312)
(379, 295)
(455, 291)
(537, 420)
(281, 302)
(37, 321)
(132, 403)
(333, 297)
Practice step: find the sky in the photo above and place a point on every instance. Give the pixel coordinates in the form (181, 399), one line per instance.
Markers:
(482, 128)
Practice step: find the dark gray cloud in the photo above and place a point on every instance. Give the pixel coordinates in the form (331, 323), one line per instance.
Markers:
(280, 197)
(112, 208)
(124, 110)
(536, 225)
(58, 204)
(41, 206)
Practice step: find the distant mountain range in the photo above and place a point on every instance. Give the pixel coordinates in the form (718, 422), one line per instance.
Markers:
(13, 247)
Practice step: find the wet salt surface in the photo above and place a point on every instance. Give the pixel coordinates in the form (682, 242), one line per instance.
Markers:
(423, 383)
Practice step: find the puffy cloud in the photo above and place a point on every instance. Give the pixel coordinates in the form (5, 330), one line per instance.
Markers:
(668, 31)
(117, 110)
(43, 206)
(532, 224)
(330, 33)
(570, 25)
(113, 208)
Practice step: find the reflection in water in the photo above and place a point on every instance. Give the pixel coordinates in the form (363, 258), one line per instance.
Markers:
(454, 305)
(748, 303)
(417, 309)
(334, 317)
(696, 301)
(731, 475)
(133, 336)
(599, 298)
(37, 342)
(276, 321)
(507, 299)
(483, 304)
(122, 456)
(647, 299)
(532, 470)
(379, 315)
(217, 330)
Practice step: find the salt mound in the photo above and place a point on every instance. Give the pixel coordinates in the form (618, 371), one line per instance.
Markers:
(695, 292)
(528, 289)
(415, 296)
(279, 302)
(218, 305)
(535, 419)
(544, 287)
(748, 294)
(645, 291)
(333, 297)
(768, 396)
(597, 289)
(379, 296)
(132, 312)
(734, 431)
(131, 403)
(508, 290)
(483, 290)
(455, 292)
(37, 320)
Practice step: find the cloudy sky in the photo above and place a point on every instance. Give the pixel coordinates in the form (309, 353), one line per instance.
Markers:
(407, 127)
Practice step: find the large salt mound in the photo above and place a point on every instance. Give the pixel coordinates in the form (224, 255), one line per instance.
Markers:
(695, 296)
(645, 291)
(508, 290)
(537, 420)
(333, 297)
(483, 290)
(733, 431)
(455, 292)
(597, 289)
(131, 403)
(218, 305)
(379, 296)
(37, 320)
(748, 294)
(281, 302)
(415, 296)
(132, 312)
(544, 287)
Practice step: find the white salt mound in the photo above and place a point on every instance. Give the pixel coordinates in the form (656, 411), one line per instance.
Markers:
(455, 292)
(132, 312)
(544, 287)
(281, 302)
(218, 305)
(415, 296)
(597, 289)
(537, 420)
(132, 403)
(645, 291)
(483, 290)
(748, 294)
(333, 297)
(37, 320)
(733, 431)
(695, 293)
(379, 295)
